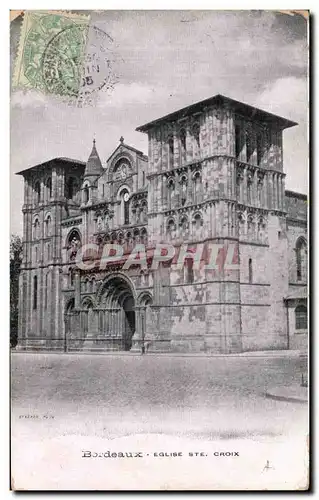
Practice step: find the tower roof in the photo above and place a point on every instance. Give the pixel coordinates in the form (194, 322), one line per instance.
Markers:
(93, 165)
(220, 100)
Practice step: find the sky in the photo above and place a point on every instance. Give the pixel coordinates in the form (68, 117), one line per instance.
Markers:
(162, 61)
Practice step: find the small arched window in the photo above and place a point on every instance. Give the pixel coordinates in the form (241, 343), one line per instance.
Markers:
(198, 222)
(143, 215)
(301, 259)
(125, 204)
(35, 292)
(197, 187)
(196, 134)
(170, 193)
(171, 228)
(183, 189)
(184, 223)
(183, 144)
(171, 152)
(48, 185)
(86, 194)
(36, 230)
(237, 141)
(47, 226)
(70, 188)
(301, 320)
(250, 270)
(144, 236)
(37, 192)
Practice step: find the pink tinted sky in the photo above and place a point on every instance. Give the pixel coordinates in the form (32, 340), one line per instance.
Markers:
(165, 60)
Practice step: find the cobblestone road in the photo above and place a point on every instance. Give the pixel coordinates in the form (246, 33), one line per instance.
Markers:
(116, 395)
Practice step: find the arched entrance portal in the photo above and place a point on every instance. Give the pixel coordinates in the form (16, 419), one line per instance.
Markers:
(118, 301)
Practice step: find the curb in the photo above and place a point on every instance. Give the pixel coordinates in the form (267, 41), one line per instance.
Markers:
(248, 354)
(288, 399)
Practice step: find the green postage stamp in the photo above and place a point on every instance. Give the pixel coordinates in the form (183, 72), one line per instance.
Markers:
(51, 52)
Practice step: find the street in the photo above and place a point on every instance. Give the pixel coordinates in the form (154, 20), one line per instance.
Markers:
(110, 397)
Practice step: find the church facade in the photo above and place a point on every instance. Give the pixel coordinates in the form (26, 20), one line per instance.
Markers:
(213, 183)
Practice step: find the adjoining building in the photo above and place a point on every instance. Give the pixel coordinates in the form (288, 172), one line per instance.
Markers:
(213, 177)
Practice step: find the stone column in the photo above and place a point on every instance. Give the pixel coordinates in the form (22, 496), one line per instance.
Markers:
(77, 298)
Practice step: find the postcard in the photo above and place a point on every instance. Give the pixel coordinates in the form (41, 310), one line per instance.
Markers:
(159, 250)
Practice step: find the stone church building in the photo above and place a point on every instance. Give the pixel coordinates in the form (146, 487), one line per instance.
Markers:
(214, 177)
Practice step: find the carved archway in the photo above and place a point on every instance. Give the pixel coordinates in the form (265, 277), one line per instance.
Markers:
(116, 299)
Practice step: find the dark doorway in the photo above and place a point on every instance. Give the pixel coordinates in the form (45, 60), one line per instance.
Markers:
(129, 327)
(118, 297)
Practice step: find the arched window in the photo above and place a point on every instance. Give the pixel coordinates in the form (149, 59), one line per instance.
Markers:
(171, 152)
(36, 230)
(47, 226)
(301, 319)
(143, 215)
(37, 192)
(125, 206)
(86, 194)
(171, 228)
(237, 141)
(136, 236)
(251, 227)
(35, 292)
(36, 256)
(301, 259)
(70, 188)
(144, 236)
(170, 193)
(121, 170)
(250, 270)
(183, 144)
(184, 223)
(197, 187)
(259, 148)
(73, 243)
(183, 184)
(196, 134)
(198, 221)
(261, 228)
(48, 185)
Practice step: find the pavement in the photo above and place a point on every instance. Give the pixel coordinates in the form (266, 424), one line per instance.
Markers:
(213, 410)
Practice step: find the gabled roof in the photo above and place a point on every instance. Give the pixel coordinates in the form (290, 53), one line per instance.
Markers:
(239, 107)
(93, 165)
(47, 163)
(140, 153)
